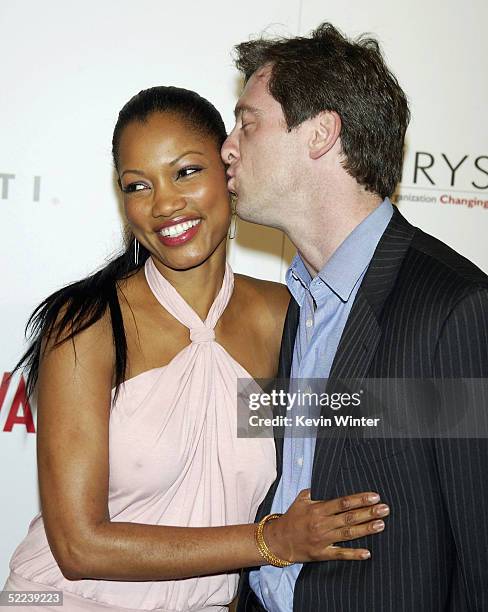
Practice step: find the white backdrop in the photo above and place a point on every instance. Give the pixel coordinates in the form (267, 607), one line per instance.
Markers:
(68, 68)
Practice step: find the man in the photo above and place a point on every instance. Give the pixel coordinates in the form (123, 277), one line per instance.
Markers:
(316, 152)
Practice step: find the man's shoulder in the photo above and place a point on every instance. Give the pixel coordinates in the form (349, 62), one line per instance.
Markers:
(431, 262)
(433, 253)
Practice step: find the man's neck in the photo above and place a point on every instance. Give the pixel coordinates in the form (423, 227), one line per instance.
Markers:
(326, 226)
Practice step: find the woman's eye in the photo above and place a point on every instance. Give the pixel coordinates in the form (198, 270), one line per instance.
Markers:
(132, 187)
(188, 171)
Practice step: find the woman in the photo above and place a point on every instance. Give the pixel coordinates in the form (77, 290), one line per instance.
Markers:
(147, 495)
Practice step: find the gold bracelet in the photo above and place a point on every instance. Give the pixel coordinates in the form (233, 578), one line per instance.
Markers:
(264, 551)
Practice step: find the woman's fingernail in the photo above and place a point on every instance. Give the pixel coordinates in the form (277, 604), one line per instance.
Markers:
(378, 525)
(381, 510)
(366, 555)
(374, 498)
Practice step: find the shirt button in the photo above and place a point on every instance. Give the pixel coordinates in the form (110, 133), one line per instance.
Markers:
(309, 323)
(300, 461)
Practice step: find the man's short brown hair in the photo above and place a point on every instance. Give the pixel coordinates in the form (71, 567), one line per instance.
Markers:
(328, 72)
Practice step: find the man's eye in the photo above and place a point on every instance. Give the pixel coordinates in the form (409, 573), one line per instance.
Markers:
(188, 171)
(132, 187)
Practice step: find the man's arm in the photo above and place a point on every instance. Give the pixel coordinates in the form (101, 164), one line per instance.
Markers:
(462, 352)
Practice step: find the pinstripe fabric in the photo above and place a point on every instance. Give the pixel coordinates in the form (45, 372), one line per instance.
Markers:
(422, 311)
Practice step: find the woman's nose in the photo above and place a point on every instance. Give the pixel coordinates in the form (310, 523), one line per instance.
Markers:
(167, 202)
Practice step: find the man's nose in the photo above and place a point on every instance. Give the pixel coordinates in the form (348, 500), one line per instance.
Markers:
(230, 151)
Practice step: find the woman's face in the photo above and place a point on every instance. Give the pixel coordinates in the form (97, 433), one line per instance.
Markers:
(175, 190)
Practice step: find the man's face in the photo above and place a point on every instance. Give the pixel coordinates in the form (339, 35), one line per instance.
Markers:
(261, 155)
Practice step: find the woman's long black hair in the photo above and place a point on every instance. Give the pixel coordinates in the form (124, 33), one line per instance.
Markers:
(74, 308)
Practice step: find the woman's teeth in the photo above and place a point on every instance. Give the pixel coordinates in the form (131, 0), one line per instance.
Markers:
(180, 228)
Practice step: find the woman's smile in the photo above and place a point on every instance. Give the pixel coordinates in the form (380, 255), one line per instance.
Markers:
(178, 231)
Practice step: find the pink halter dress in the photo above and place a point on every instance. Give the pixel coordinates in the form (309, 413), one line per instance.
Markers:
(175, 459)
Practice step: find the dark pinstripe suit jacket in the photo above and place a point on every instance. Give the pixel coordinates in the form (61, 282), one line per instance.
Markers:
(421, 312)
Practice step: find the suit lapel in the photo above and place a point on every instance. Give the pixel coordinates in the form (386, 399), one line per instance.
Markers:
(284, 369)
(354, 354)
(288, 340)
(360, 338)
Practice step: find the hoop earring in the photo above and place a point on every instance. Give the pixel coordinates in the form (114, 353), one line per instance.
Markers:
(233, 219)
(136, 251)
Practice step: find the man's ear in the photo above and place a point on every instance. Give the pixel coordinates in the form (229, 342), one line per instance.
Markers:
(326, 129)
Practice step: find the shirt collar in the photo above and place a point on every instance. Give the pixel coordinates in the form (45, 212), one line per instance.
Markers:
(348, 262)
(298, 279)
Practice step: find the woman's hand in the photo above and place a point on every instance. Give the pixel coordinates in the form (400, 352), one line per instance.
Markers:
(309, 529)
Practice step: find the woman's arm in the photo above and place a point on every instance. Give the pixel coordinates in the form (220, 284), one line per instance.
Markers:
(73, 416)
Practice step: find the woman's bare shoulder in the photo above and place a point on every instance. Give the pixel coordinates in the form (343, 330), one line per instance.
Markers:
(268, 298)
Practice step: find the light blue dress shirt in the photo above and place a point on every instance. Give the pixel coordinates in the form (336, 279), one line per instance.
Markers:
(325, 304)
